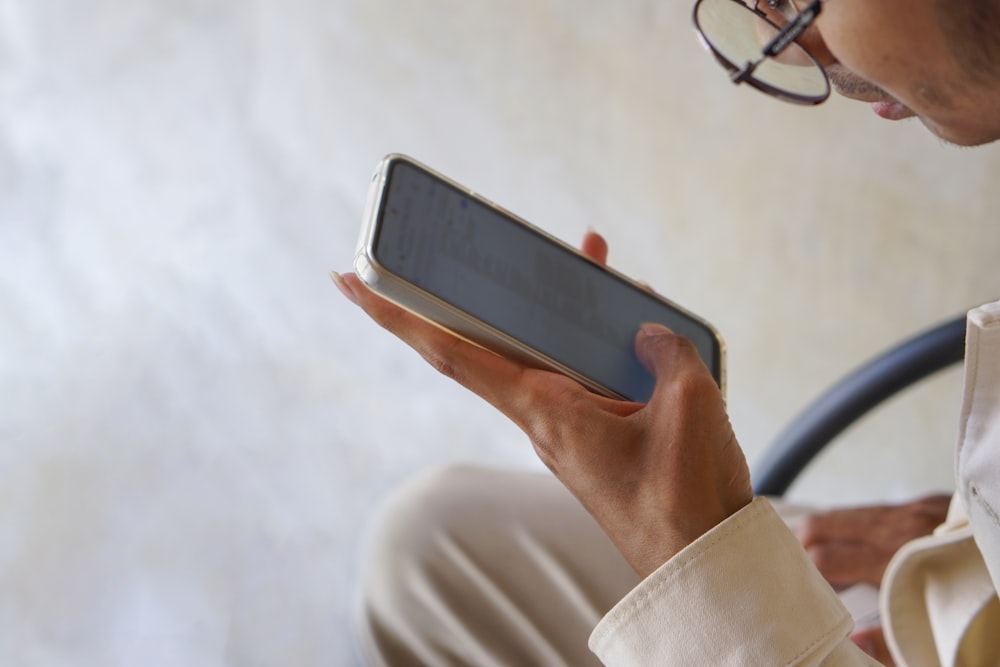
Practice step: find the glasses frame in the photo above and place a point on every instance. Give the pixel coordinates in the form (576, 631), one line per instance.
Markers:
(785, 37)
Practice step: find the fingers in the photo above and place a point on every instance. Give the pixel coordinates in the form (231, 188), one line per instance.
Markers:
(460, 360)
(872, 641)
(846, 563)
(849, 546)
(834, 525)
(595, 247)
(520, 392)
(889, 523)
(479, 370)
(852, 545)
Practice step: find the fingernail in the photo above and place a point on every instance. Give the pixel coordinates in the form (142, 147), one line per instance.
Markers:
(653, 329)
(344, 288)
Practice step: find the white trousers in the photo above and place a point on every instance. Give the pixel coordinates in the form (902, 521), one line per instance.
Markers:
(487, 567)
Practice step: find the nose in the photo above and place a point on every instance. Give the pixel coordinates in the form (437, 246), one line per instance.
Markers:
(812, 41)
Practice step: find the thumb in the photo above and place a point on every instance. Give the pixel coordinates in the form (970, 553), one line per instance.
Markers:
(675, 365)
(663, 352)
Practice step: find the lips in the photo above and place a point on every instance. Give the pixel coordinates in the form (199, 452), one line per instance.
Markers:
(855, 87)
(892, 110)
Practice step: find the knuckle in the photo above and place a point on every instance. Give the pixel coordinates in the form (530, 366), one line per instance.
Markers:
(678, 364)
(441, 357)
(690, 388)
(442, 365)
(546, 435)
(547, 453)
(566, 438)
(683, 348)
(674, 344)
(810, 529)
(547, 430)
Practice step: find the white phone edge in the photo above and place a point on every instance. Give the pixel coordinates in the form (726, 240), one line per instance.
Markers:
(457, 322)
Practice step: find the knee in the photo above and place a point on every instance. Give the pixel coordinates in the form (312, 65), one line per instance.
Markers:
(404, 556)
(407, 527)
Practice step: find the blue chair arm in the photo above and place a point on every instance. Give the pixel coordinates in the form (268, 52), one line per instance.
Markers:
(852, 397)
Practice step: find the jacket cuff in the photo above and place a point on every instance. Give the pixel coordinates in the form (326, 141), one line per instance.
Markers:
(743, 593)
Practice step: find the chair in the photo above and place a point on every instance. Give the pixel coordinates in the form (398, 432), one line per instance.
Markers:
(852, 397)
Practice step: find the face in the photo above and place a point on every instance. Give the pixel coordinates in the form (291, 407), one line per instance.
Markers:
(894, 54)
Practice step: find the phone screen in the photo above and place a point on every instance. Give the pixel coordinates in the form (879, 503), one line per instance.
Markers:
(523, 284)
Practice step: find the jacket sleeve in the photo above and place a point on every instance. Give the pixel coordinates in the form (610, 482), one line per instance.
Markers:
(744, 593)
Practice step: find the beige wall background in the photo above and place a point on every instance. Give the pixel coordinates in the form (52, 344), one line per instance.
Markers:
(195, 426)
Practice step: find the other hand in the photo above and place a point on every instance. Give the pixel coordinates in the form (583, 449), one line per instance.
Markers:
(656, 476)
(872, 641)
(855, 545)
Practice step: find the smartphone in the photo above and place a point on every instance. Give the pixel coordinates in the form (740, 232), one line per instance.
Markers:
(452, 257)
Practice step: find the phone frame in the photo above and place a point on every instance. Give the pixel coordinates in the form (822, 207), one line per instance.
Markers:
(458, 322)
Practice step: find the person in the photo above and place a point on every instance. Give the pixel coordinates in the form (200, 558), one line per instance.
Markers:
(651, 540)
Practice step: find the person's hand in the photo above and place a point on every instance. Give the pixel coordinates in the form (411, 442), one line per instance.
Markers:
(656, 476)
(851, 546)
(872, 641)
(855, 545)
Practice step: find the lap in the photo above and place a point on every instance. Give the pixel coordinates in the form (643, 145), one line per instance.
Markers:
(480, 566)
(470, 565)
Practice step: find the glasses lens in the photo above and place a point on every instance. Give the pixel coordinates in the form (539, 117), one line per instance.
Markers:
(737, 35)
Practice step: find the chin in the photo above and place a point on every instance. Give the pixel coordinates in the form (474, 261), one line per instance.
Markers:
(963, 136)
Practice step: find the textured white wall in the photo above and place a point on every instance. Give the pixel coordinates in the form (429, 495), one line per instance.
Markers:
(194, 425)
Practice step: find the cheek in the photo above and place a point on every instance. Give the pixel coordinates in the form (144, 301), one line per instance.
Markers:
(901, 52)
(841, 41)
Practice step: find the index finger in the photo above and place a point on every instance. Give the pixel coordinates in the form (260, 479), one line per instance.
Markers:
(595, 247)
(509, 386)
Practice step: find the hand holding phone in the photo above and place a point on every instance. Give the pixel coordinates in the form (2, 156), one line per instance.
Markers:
(655, 475)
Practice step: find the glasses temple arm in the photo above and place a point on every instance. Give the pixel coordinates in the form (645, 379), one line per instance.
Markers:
(791, 32)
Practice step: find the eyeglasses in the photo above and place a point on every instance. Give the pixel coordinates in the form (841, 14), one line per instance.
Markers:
(759, 48)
